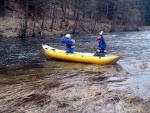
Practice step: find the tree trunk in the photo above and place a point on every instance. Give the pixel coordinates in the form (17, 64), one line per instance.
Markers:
(5, 7)
(35, 11)
(24, 27)
(42, 25)
(26, 18)
(53, 17)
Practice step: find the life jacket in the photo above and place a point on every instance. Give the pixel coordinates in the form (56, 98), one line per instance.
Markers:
(102, 44)
(71, 45)
(101, 50)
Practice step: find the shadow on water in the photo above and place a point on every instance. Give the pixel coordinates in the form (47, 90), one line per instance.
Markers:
(37, 61)
(18, 53)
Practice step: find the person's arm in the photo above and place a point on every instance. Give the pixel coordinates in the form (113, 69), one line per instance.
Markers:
(102, 43)
(65, 41)
(101, 33)
(62, 39)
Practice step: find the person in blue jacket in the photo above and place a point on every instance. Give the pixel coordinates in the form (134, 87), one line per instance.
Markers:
(70, 43)
(102, 45)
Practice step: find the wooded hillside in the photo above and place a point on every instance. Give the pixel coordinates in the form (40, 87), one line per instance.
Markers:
(36, 17)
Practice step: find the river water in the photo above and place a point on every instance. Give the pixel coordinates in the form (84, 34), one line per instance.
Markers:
(18, 56)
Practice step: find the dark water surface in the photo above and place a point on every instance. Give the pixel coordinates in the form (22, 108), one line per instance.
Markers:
(20, 54)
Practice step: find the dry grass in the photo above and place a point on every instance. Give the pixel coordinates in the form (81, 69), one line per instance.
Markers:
(68, 90)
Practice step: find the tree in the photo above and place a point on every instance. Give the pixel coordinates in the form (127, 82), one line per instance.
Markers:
(24, 27)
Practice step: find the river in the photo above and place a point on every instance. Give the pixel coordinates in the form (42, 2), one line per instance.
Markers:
(23, 63)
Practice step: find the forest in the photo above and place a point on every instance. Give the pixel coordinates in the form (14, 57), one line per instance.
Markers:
(38, 17)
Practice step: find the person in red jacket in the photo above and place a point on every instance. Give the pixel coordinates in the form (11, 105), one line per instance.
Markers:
(101, 45)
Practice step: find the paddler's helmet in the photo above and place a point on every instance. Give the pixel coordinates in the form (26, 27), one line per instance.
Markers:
(98, 38)
(68, 36)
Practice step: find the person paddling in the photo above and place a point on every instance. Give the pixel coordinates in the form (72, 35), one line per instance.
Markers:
(102, 45)
(70, 43)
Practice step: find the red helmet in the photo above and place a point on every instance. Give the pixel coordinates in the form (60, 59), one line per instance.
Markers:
(99, 38)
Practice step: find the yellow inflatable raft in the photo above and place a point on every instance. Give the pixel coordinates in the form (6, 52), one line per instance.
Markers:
(79, 57)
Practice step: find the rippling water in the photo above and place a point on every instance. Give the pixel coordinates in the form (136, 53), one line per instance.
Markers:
(134, 46)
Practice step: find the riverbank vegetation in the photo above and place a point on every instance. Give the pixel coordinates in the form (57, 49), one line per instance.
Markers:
(84, 88)
(50, 17)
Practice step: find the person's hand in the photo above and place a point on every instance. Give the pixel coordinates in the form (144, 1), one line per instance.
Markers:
(61, 34)
(101, 33)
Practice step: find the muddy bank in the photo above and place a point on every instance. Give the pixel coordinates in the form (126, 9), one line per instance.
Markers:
(69, 87)
(142, 28)
(11, 27)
